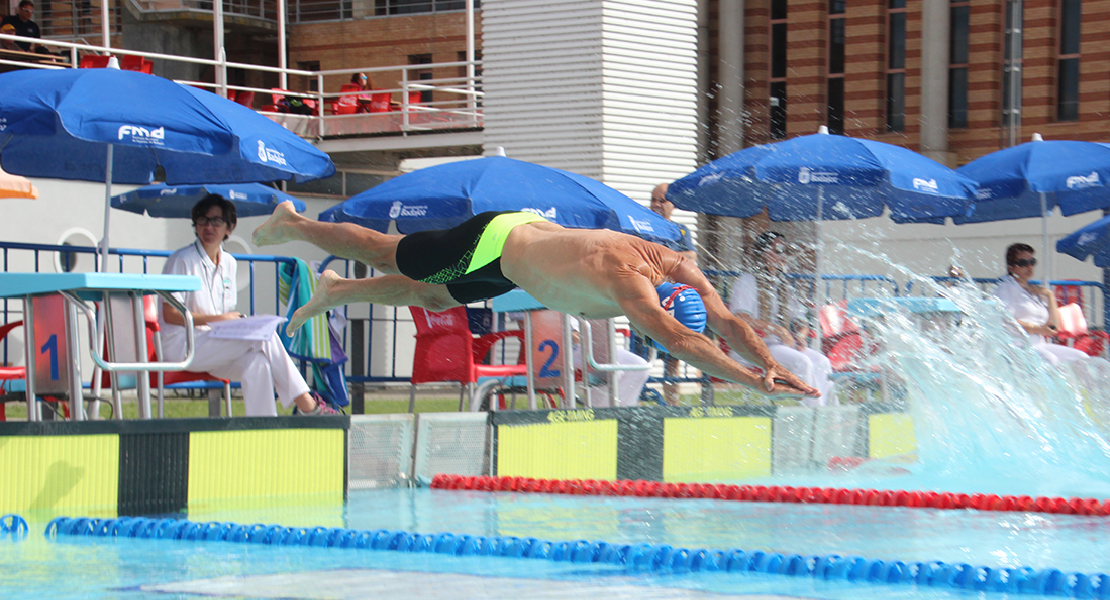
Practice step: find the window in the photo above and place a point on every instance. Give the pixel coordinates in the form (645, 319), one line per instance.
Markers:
(408, 7)
(421, 74)
(834, 90)
(1067, 64)
(311, 83)
(958, 50)
(777, 101)
(896, 66)
(1011, 72)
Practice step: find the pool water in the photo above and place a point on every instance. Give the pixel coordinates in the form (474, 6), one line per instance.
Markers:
(80, 567)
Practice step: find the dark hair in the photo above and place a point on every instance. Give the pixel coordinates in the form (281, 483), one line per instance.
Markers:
(763, 241)
(23, 3)
(1014, 250)
(357, 78)
(200, 209)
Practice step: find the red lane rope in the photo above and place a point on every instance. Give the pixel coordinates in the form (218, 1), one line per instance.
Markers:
(775, 493)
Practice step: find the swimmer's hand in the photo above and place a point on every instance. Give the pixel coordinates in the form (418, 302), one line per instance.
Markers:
(777, 381)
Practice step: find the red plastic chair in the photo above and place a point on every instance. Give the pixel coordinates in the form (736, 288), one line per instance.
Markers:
(347, 104)
(246, 98)
(1073, 328)
(130, 62)
(9, 373)
(160, 379)
(380, 102)
(277, 95)
(94, 61)
(446, 351)
(835, 325)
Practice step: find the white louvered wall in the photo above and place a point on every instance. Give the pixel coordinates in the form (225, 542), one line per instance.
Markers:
(603, 88)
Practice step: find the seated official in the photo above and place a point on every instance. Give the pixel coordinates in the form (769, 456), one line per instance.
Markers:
(1033, 306)
(263, 367)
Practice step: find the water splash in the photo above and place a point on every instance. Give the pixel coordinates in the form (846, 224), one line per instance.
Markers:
(990, 415)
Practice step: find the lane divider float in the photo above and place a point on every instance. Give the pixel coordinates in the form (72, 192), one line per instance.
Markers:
(775, 493)
(15, 526)
(661, 558)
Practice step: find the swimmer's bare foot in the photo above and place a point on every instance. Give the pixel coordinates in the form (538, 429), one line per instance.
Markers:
(318, 304)
(276, 229)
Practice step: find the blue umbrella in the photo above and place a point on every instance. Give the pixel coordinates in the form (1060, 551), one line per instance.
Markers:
(825, 177)
(1091, 240)
(1030, 179)
(125, 127)
(161, 200)
(446, 195)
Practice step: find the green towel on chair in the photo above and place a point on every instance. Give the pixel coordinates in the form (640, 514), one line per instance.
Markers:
(312, 340)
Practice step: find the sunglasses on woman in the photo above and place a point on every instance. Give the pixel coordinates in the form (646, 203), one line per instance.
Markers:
(214, 221)
(1025, 262)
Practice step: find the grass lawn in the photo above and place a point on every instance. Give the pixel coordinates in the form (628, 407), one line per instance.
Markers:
(183, 408)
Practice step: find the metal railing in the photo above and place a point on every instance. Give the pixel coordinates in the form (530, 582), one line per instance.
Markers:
(450, 100)
(125, 261)
(304, 11)
(837, 287)
(1090, 295)
(71, 21)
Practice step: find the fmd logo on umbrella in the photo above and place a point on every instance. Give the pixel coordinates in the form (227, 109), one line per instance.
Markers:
(1082, 181)
(142, 136)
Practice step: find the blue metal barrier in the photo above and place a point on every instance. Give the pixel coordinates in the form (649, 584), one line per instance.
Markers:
(837, 287)
(128, 261)
(1091, 295)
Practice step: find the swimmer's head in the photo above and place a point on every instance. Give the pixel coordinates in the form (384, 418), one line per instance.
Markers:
(684, 304)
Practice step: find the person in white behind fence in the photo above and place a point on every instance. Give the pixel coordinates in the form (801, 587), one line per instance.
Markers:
(765, 300)
(1033, 306)
(262, 367)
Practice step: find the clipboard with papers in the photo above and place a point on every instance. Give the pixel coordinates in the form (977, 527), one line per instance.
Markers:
(254, 328)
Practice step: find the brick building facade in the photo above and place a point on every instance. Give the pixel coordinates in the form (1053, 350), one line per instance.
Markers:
(856, 66)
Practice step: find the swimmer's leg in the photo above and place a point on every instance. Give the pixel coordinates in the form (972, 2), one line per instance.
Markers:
(333, 291)
(345, 240)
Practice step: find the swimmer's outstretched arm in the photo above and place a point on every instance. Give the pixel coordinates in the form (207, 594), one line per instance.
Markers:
(333, 291)
(640, 303)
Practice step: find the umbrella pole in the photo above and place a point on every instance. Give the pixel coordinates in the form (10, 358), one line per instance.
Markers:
(107, 211)
(818, 289)
(1044, 243)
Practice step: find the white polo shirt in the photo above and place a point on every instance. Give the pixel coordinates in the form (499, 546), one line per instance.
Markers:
(218, 293)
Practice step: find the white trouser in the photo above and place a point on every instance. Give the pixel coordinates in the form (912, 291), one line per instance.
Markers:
(1056, 354)
(261, 367)
(810, 365)
(629, 383)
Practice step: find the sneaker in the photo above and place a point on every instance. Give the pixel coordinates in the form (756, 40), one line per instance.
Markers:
(322, 408)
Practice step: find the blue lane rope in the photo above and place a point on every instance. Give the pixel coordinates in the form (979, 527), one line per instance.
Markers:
(14, 525)
(635, 557)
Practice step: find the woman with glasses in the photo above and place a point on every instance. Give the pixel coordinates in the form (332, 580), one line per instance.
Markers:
(765, 300)
(263, 367)
(1033, 306)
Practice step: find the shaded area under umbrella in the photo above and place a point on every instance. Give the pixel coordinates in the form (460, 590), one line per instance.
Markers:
(445, 195)
(129, 127)
(1031, 179)
(177, 201)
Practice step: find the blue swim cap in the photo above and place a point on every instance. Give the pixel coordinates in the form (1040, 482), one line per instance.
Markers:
(684, 304)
